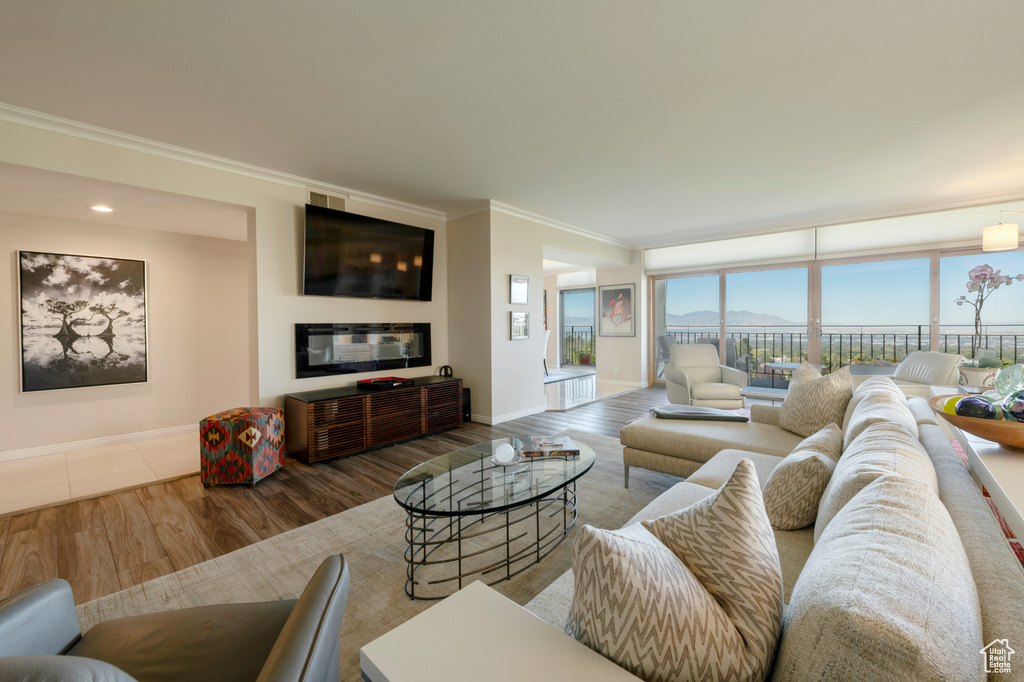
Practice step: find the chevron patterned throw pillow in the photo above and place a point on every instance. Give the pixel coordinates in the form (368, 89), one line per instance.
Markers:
(793, 491)
(695, 595)
(812, 403)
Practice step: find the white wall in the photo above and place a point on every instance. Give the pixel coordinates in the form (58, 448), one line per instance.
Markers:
(511, 383)
(517, 247)
(282, 305)
(627, 354)
(469, 302)
(517, 369)
(275, 220)
(554, 301)
(198, 338)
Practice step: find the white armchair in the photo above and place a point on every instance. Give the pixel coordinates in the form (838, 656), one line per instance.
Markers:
(694, 377)
(924, 368)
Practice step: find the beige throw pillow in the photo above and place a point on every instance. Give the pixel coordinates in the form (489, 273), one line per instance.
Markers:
(812, 404)
(887, 594)
(805, 372)
(714, 612)
(793, 490)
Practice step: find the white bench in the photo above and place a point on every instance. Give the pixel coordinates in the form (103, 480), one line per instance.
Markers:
(764, 393)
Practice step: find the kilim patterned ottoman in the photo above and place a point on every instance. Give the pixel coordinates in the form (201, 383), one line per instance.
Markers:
(242, 445)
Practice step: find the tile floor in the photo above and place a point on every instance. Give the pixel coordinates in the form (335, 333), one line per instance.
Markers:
(565, 395)
(47, 480)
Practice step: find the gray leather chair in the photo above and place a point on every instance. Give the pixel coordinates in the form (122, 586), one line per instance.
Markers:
(40, 638)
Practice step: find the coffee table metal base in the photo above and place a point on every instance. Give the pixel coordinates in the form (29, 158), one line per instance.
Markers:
(447, 552)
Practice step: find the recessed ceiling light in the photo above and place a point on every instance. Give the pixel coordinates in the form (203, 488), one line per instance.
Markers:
(103, 209)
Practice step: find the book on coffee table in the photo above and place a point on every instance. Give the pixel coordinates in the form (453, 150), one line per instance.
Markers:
(546, 446)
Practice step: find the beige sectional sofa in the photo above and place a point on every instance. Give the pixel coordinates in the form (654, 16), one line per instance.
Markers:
(908, 576)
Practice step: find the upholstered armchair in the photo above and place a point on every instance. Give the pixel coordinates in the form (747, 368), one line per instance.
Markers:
(694, 377)
(924, 368)
(40, 638)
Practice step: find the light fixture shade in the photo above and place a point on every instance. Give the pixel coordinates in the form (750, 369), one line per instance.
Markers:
(1001, 237)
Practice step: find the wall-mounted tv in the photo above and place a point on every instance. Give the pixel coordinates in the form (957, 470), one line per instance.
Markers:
(353, 255)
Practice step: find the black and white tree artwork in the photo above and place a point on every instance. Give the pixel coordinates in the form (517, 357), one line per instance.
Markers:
(83, 321)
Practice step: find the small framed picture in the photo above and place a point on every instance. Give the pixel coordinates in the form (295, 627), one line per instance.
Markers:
(615, 305)
(519, 324)
(518, 289)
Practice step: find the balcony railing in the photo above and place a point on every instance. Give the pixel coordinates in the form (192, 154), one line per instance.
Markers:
(578, 346)
(845, 345)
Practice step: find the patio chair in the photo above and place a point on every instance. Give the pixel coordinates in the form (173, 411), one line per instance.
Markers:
(665, 344)
(694, 377)
(730, 350)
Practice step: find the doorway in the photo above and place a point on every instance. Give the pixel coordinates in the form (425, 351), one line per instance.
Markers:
(576, 327)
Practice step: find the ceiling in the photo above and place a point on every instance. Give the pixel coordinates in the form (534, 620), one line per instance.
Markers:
(31, 191)
(651, 123)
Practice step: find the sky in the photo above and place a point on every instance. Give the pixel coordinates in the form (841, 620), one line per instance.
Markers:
(578, 304)
(861, 294)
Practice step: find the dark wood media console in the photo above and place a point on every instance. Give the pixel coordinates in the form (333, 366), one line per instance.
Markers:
(334, 422)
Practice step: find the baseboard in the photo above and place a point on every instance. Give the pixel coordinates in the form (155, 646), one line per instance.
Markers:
(12, 455)
(616, 382)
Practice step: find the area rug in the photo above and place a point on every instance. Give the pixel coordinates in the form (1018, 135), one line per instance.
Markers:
(371, 537)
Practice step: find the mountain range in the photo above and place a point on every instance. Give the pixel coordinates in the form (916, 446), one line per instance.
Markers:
(733, 318)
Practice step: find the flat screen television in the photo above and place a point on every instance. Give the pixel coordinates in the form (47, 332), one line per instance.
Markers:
(356, 256)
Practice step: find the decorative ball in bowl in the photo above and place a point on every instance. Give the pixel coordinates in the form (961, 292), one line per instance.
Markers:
(1009, 434)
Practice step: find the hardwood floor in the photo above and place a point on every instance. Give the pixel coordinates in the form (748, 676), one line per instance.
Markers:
(110, 543)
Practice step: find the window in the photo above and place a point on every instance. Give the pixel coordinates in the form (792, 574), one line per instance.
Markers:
(1002, 310)
(766, 320)
(875, 312)
(686, 311)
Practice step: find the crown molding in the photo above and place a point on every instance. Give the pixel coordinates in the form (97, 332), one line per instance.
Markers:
(492, 205)
(84, 131)
(558, 225)
(472, 210)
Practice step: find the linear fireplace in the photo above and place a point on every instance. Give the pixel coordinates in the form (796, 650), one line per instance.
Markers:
(329, 349)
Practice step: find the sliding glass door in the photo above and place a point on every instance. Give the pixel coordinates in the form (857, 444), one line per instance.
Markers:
(766, 323)
(867, 313)
(577, 328)
(1000, 324)
(874, 313)
(686, 311)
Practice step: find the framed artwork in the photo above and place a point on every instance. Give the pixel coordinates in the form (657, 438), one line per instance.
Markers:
(519, 324)
(83, 321)
(615, 304)
(518, 289)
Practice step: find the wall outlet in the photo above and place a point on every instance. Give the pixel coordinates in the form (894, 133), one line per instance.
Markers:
(615, 370)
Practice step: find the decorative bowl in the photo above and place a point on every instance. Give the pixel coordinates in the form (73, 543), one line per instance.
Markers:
(1006, 433)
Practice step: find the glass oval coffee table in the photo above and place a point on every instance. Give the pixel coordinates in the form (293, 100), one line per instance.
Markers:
(472, 518)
